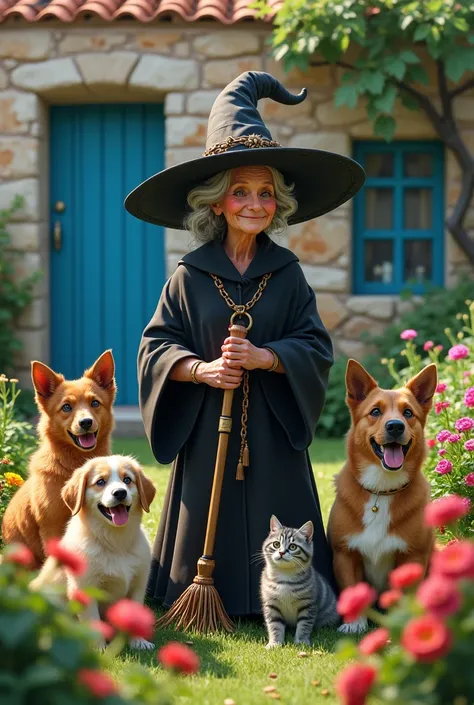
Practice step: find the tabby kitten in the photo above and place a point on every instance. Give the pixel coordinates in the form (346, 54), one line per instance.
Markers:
(292, 592)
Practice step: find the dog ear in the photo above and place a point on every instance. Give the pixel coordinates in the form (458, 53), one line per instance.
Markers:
(307, 530)
(358, 383)
(74, 491)
(423, 386)
(103, 371)
(146, 488)
(275, 525)
(45, 380)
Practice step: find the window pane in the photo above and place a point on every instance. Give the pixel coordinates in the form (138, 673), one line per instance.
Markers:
(379, 261)
(379, 208)
(418, 261)
(417, 209)
(379, 164)
(417, 165)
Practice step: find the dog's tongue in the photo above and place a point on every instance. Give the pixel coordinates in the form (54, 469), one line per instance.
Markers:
(393, 455)
(87, 440)
(119, 514)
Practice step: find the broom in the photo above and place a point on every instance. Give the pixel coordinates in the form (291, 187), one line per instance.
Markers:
(200, 606)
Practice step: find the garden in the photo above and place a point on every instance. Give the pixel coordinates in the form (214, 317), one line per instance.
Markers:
(420, 650)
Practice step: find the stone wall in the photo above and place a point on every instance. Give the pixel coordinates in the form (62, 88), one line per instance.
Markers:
(185, 66)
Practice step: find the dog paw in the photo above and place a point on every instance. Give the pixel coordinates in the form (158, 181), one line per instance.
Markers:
(357, 626)
(141, 644)
(273, 645)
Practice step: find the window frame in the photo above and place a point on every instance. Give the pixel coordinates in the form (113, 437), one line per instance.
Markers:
(398, 234)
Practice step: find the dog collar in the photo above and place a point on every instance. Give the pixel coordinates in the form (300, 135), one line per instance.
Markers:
(385, 493)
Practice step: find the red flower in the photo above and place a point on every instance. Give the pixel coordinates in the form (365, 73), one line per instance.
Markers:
(72, 561)
(455, 560)
(178, 657)
(353, 684)
(374, 641)
(98, 683)
(389, 598)
(80, 596)
(133, 618)
(103, 628)
(354, 600)
(19, 554)
(405, 575)
(445, 510)
(439, 595)
(426, 638)
(431, 442)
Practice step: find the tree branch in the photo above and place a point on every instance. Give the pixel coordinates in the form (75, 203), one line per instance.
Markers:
(462, 88)
(342, 64)
(425, 104)
(446, 100)
(455, 221)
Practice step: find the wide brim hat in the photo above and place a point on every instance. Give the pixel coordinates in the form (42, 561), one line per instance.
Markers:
(237, 136)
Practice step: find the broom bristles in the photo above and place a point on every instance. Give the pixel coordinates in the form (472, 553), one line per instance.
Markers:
(199, 608)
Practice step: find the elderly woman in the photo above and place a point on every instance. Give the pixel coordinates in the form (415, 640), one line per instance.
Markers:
(243, 192)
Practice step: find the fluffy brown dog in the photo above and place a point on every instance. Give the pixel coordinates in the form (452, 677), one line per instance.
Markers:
(377, 520)
(76, 422)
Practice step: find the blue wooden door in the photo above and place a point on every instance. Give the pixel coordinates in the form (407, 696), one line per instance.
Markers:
(107, 268)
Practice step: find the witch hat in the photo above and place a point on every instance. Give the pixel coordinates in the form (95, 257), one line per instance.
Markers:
(237, 136)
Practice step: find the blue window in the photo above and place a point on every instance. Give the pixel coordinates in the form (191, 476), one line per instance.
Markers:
(398, 234)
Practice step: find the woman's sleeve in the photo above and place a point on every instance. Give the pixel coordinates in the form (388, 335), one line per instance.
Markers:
(297, 397)
(169, 408)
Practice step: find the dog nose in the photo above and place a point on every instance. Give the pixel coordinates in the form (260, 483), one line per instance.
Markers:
(119, 494)
(85, 423)
(395, 428)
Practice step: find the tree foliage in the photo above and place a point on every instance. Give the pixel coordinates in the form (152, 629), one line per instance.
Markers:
(377, 42)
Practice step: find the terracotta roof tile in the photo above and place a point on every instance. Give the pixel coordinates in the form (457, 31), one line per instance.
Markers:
(223, 11)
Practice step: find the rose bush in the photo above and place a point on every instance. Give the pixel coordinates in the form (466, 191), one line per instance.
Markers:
(421, 653)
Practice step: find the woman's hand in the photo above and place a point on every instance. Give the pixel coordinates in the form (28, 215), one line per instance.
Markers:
(239, 352)
(219, 373)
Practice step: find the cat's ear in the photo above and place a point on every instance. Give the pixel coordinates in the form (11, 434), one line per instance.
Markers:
(275, 524)
(307, 531)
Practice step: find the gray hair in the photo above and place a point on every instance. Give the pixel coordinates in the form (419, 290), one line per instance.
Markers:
(206, 225)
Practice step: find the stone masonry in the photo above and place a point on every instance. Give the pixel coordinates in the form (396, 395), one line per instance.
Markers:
(185, 66)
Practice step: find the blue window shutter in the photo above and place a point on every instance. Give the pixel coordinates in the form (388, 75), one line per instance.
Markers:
(408, 224)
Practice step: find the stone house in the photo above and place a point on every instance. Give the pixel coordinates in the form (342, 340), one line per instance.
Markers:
(96, 96)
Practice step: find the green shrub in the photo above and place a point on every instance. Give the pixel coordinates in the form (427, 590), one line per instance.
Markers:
(335, 420)
(15, 295)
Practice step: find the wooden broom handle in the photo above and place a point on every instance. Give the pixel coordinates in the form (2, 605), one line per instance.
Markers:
(237, 332)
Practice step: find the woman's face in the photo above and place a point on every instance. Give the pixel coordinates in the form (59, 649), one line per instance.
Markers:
(249, 205)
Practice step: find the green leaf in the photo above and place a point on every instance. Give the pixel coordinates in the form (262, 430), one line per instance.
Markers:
(456, 64)
(66, 652)
(41, 675)
(372, 81)
(281, 52)
(346, 95)
(385, 103)
(406, 22)
(461, 24)
(409, 57)
(408, 101)
(346, 649)
(14, 628)
(394, 66)
(417, 74)
(384, 126)
(421, 32)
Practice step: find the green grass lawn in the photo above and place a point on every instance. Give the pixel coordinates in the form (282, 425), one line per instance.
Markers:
(237, 666)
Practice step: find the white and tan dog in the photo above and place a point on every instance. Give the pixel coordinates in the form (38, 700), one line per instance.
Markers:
(106, 497)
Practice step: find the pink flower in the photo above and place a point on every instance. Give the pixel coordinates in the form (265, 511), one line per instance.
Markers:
(426, 638)
(469, 397)
(103, 628)
(456, 560)
(439, 595)
(132, 617)
(458, 352)
(442, 451)
(389, 598)
(179, 657)
(467, 373)
(454, 438)
(443, 467)
(446, 510)
(443, 436)
(408, 334)
(428, 345)
(405, 575)
(469, 445)
(431, 443)
(440, 405)
(373, 642)
(438, 348)
(80, 596)
(97, 682)
(354, 600)
(469, 479)
(441, 387)
(464, 424)
(353, 684)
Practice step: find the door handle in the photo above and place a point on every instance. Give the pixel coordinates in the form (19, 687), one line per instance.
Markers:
(57, 236)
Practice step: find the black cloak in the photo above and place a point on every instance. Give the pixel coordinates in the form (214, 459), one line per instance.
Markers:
(181, 420)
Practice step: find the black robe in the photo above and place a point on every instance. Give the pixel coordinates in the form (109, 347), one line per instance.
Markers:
(181, 420)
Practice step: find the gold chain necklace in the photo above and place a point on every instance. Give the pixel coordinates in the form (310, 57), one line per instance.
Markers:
(242, 309)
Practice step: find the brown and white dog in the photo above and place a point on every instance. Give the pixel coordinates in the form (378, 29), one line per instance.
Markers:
(377, 520)
(106, 497)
